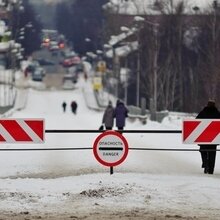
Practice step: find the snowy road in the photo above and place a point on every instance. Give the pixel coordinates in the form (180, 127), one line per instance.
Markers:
(73, 185)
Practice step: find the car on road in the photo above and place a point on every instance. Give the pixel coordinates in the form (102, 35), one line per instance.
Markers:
(68, 53)
(71, 61)
(54, 46)
(69, 81)
(68, 85)
(38, 74)
(45, 62)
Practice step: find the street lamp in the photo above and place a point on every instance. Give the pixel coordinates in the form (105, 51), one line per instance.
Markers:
(111, 47)
(116, 68)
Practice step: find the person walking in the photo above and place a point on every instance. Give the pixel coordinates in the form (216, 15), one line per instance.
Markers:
(74, 106)
(121, 112)
(108, 116)
(208, 151)
(64, 106)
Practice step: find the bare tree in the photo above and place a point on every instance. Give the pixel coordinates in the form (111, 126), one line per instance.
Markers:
(184, 55)
(209, 52)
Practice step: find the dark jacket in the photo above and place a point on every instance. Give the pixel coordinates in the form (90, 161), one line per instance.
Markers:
(108, 117)
(121, 112)
(74, 105)
(209, 113)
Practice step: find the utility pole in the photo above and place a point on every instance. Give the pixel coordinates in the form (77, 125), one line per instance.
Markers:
(126, 83)
(155, 67)
(116, 69)
(138, 70)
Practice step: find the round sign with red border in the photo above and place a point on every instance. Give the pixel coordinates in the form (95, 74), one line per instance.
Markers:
(110, 148)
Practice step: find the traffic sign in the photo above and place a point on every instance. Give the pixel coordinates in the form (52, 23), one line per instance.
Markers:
(201, 131)
(110, 148)
(22, 130)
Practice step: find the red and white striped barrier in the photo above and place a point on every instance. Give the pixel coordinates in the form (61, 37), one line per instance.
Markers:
(22, 130)
(201, 131)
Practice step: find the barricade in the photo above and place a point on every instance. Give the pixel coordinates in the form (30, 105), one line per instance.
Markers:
(57, 131)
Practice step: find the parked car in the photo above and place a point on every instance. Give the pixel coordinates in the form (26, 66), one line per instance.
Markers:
(38, 74)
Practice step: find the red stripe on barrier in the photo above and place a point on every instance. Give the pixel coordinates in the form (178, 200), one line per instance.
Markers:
(15, 130)
(210, 133)
(2, 139)
(188, 128)
(37, 127)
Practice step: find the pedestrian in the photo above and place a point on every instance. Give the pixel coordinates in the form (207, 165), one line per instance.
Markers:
(121, 112)
(64, 106)
(208, 151)
(26, 72)
(74, 106)
(85, 76)
(108, 116)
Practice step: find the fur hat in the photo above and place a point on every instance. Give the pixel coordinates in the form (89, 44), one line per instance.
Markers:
(211, 103)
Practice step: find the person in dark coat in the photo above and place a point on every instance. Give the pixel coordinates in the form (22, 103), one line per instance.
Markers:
(74, 106)
(121, 112)
(108, 116)
(64, 106)
(208, 157)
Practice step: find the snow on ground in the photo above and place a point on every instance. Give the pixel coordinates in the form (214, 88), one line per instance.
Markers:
(73, 185)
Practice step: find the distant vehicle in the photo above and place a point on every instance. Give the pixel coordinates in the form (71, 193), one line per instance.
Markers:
(70, 77)
(71, 61)
(32, 66)
(48, 35)
(68, 85)
(61, 44)
(54, 46)
(45, 43)
(73, 73)
(69, 81)
(69, 54)
(38, 74)
(45, 62)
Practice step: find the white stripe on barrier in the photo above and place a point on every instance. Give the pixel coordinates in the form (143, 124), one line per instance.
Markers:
(196, 132)
(29, 131)
(6, 135)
